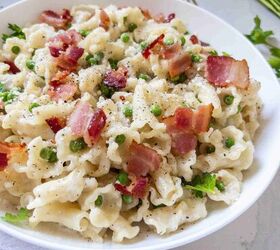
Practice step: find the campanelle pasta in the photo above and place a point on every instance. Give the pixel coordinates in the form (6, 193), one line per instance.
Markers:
(115, 117)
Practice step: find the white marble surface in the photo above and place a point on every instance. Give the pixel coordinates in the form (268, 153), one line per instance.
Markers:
(259, 227)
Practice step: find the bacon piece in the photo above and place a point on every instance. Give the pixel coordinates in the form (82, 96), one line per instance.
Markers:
(87, 123)
(65, 39)
(55, 52)
(64, 48)
(168, 52)
(142, 160)
(95, 127)
(63, 92)
(104, 20)
(79, 119)
(69, 59)
(116, 78)
(122, 189)
(184, 125)
(160, 18)
(62, 88)
(59, 78)
(194, 39)
(223, 71)
(147, 52)
(169, 18)
(13, 68)
(137, 188)
(12, 153)
(3, 161)
(184, 118)
(56, 124)
(179, 64)
(202, 118)
(57, 20)
(183, 142)
(146, 13)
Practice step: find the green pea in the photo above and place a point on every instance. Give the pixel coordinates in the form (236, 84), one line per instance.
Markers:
(95, 59)
(127, 111)
(196, 58)
(228, 99)
(84, 33)
(106, 91)
(49, 154)
(156, 110)
(127, 199)
(132, 27)
(183, 40)
(120, 139)
(125, 37)
(99, 201)
(113, 63)
(30, 64)
(32, 106)
(123, 178)
(229, 142)
(77, 145)
(210, 149)
(220, 185)
(15, 49)
(169, 41)
(144, 77)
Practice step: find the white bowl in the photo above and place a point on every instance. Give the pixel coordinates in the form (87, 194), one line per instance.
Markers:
(222, 36)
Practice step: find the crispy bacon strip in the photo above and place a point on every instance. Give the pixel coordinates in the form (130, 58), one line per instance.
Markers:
(87, 123)
(146, 13)
(169, 52)
(147, 52)
(104, 20)
(223, 71)
(116, 78)
(179, 64)
(160, 18)
(95, 127)
(13, 68)
(63, 48)
(170, 17)
(142, 160)
(61, 87)
(12, 153)
(184, 125)
(137, 188)
(194, 39)
(56, 124)
(57, 20)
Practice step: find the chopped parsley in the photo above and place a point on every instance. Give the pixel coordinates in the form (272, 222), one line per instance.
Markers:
(202, 184)
(16, 32)
(21, 216)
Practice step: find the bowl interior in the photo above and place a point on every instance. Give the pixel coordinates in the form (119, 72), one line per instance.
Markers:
(221, 36)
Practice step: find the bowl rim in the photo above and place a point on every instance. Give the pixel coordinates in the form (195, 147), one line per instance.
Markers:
(177, 242)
